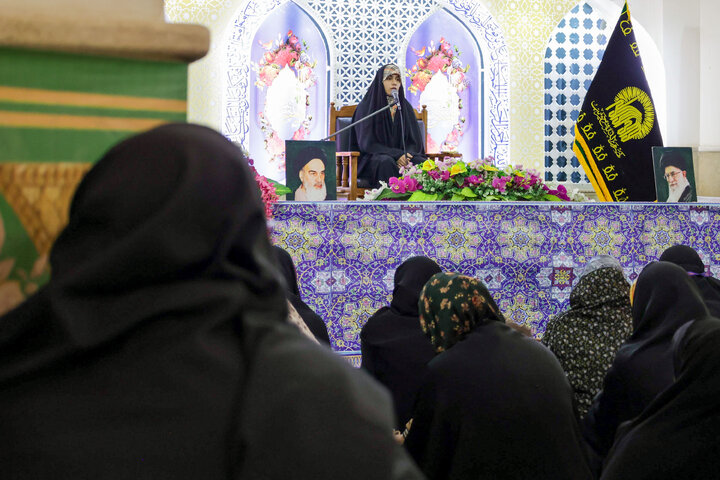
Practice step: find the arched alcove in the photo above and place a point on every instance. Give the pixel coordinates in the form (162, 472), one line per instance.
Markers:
(279, 47)
(445, 71)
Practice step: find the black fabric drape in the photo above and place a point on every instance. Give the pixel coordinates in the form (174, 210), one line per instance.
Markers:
(292, 291)
(379, 139)
(665, 299)
(394, 348)
(496, 405)
(160, 347)
(676, 437)
(689, 259)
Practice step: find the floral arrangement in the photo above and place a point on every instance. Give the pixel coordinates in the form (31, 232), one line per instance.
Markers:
(454, 180)
(443, 58)
(290, 52)
(270, 190)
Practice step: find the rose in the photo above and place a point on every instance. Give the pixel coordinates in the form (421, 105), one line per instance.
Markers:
(437, 63)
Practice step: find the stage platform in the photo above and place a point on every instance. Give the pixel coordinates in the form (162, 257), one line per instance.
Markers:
(528, 254)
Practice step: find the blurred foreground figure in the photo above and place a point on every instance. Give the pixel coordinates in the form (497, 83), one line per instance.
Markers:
(160, 346)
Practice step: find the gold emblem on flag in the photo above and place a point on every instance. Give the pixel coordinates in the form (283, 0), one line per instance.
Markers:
(632, 114)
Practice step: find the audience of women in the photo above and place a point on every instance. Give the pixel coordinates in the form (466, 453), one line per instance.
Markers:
(689, 259)
(495, 404)
(160, 346)
(676, 436)
(664, 299)
(292, 292)
(383, 148)
(586, 337)
(394, 348)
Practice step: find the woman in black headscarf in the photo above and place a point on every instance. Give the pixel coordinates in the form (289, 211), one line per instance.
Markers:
(292, 292)
(160, 346)
(495, 404)
(380, 139)
(664, 299)
(689, 259)
(586, 337)
(394, 348)
(676, 437)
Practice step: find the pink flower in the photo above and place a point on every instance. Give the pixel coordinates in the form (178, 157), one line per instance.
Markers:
(412, 184)
(474, 180)
(284, 57)
(267, 191)
(396, 185)
(445, 175)
(437, 63)
(434, 174)
(500, 183)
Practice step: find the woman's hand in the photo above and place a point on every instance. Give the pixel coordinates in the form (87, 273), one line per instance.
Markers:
(404, 160)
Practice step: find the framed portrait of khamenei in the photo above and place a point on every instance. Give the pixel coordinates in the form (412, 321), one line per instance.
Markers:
(310, 170)
(674, 174)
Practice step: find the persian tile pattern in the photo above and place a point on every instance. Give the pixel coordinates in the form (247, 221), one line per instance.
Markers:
(572, 57)
(530, 255)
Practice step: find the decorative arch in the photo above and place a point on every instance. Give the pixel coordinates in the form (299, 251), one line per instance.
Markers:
(239, 93)
(493, 109)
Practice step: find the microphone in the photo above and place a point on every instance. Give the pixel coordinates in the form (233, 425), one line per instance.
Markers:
(396, 97)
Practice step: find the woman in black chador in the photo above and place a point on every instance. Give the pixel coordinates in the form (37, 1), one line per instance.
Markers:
(160, 347)
(394, 348)
(379, 139)
(495, 404)
(665, 298)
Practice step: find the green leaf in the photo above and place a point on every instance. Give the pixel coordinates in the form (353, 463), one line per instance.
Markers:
(420, 196)
(459, 180)
(468, 192)
(552, 198)
(388, 194)
(280, 189)
(458, 198)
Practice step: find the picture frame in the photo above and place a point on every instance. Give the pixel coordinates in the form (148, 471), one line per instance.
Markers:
(310, 170)
(674, 174)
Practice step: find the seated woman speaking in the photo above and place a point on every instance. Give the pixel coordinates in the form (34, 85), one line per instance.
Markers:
(380, 138)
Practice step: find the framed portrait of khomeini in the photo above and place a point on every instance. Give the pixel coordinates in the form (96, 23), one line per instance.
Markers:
(674, 174)
(310, 170)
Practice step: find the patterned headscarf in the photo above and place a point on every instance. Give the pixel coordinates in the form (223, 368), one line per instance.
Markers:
(390, 69)
(452, 305)
(586, 337)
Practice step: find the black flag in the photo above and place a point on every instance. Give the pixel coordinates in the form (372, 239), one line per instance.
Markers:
(617, 126)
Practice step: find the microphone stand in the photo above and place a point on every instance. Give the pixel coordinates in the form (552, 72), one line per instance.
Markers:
(402, 129)
(360, 121)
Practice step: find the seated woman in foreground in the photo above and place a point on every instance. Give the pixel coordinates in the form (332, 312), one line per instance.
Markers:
(664, 299)
(380, 139)
(160, 347)
(676, 437)
(495, 404)
(586, 337)
(394, 348)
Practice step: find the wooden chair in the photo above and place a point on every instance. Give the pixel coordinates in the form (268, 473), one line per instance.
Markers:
(346, 159)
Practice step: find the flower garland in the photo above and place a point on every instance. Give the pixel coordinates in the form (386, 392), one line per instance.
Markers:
(454, 180)
(268, 192)
(444, 58)
(291, 52)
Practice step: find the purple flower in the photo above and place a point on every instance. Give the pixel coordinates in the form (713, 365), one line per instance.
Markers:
(434, 174)
(473, 180)
(499, 184)
(396, 185)
(445, 175)
(412, 184)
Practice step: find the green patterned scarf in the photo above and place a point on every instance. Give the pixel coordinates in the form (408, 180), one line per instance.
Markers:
(452, 305)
